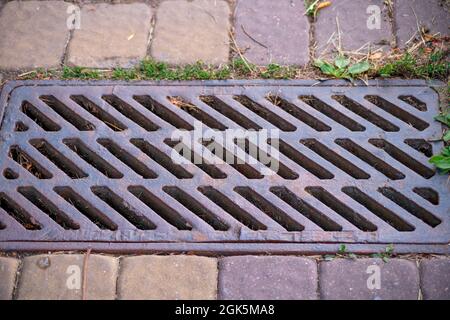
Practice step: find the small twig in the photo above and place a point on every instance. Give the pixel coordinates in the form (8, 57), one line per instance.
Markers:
(339, 36)
(26, 73)
(414, 48)
(316, 83)
(411, 39)
(239, 52)
(256, 41)
(85, 265)
(365, 81)
(324, 48)
(331, 37)
(112, 125)
(418, 26)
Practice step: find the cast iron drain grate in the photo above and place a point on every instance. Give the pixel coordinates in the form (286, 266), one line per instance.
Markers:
(89, 165)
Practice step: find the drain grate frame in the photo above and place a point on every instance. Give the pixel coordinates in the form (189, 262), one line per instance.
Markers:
(359, 165)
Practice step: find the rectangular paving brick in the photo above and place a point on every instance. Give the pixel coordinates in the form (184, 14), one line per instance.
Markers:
(359, 23)
(60, 277)
(435, 279)
(272, 31)
(168, 278)
(33, 34)
(267, 278)
(434, 16)
(111, 35)
(191, 31)
(8, 271)
(369, 279)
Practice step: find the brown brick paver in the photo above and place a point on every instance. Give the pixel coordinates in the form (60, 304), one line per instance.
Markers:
(58, 277)
(187, 32)
(435, 279)
(273, 31)
(432, 15)
(352, 18)
(348, 279)
(272, 278)
(168, 277)
(8, 270)
(33, 34)
(111, 35)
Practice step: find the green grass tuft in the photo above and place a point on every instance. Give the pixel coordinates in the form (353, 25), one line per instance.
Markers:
(275, 71)
(125, 74)
(80, 73)
(156, 70)
(153, 70)
(242, 68)
(426, 66)
(434, 67)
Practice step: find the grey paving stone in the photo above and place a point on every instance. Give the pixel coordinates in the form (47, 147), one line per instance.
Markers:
(432, 15)
(33, 34)
(189, 31)
(8, 270)
(435, 279)
(271, 278)
(357, 279)
(168, 277)
(60, 277)
(111, 35)
(272, 31)
(352, 20)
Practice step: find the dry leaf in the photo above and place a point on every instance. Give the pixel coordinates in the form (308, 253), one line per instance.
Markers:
(376, 56)
(323, 5)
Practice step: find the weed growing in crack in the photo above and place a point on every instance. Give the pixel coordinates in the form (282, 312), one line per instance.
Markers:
(275, 71)
(242, 68)
(434, 67)
(386, 255)
(314, 6)
(161, 71)
(342, 67)
(79, 73)
(342, 253)
(444, 118)
(156, 70)
(442, 161)
(125, 74)
(428, 62)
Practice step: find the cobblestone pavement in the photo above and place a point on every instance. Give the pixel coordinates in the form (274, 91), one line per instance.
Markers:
(94, 276)
(120, 33)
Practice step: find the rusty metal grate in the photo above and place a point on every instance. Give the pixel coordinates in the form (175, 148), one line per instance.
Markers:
(90, 164)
